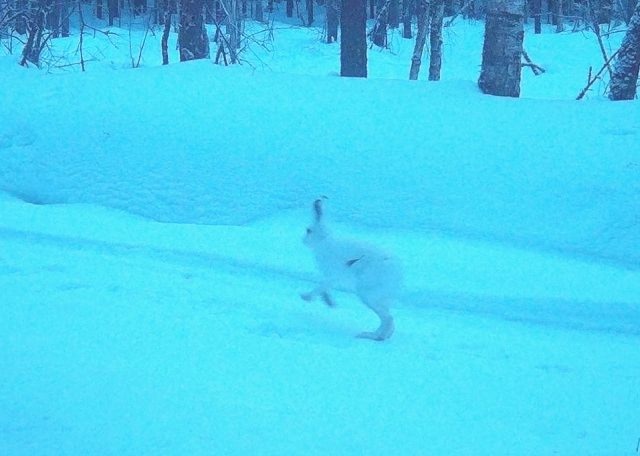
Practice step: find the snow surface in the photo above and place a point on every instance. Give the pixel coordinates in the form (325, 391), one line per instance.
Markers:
(151, 257)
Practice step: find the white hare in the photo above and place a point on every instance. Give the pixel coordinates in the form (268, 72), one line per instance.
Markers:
(374, 275)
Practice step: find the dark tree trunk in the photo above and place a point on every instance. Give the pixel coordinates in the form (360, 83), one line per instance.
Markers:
(21, 20)
(139, 6)
(114, 10)
(192, 35)
(422, 11)
(372, 9)
(394, 14)
(502, 50)
(310, 18)
(259, 11)
(536, 11)
(624, 80)
(165, 38)
(99, 13)
(353, 45)
(54, 9)
(234, 28)
(33, 47)
(559, 15)
(407, 13)
(602, 11)
(451, 7)
(379, 32)
(289, 8)
(210, 7)
(628, 10)
(64, 18)
(332, 21)
(435, 60)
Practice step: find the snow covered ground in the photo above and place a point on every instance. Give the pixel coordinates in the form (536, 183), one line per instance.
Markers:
(151, 256)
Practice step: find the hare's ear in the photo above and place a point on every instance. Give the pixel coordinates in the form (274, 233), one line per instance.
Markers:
(317, 208)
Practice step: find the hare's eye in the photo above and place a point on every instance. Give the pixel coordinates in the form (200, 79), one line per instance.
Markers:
(308, 230)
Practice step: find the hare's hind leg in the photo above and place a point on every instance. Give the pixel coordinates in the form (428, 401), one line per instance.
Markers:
(386, 328)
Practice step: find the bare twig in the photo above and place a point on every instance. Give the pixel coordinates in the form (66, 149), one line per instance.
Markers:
(596, 77)
(458, 13)
(596, 29)
(537, 70)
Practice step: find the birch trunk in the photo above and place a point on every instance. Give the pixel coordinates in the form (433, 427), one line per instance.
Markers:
(502, 50)
(435, 59)
(422, 12)
(624, 79)
(379, 34)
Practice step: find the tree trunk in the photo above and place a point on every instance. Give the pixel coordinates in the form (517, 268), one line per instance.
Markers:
(422, 11)
(536, 11)
(353, 45)
(379, 33)
(99, 13)
(435, 59)
(601, 10)
(114, 10)
(559, 16)
(33, 47)
(5, 8)
(289, 8)
(21, 20)
(332, 21)
(259, 11)
(310, 17)
(64, 18)
(407, 13)
(624, 79)
(394, 14)
(502, 50)
(234, 25)
(451, 7)
(192, 35)
(139, 6)
(165, 38)
(210, 7)
(628, 10)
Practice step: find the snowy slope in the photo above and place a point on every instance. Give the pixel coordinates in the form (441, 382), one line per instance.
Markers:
(189, 147)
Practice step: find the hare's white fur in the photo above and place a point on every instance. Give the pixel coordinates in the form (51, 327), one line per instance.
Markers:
(374, 275)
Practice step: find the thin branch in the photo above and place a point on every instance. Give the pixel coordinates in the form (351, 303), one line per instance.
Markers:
(596, 77)
(596, 28)
(458, 13)
(537, 70)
